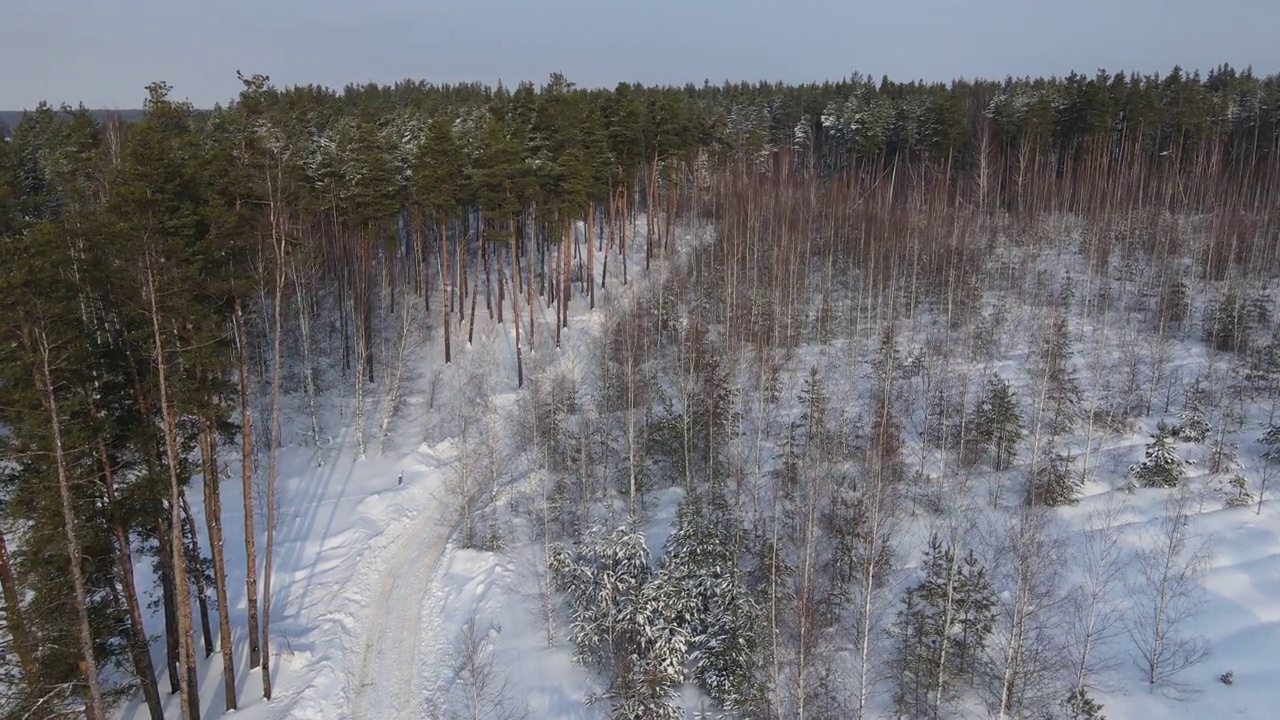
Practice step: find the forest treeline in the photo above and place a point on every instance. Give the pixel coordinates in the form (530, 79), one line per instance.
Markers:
(167, 279)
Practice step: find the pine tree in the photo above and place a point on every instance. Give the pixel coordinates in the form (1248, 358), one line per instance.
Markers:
(942, 628)
(998, 423)
(1054, 482)
(625, 620)
(1225, 328)
(1236, 493)
(438, 172)
(1271, 440)
(1162, 467)
(722, 619)
(1060, 388)
(1192, 425)
(1079, 706)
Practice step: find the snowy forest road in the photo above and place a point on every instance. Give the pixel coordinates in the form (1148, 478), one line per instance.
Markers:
(390, 678)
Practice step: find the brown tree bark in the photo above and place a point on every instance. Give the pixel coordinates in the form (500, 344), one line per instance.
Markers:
(95, 708)
(169, 598)
(139, 647)
(191, 542)
(187, 685)
(446, 303)
(589, 275)
(246, 475)
(278, 247)
(515, 302)
(213, 525)
(475, 291)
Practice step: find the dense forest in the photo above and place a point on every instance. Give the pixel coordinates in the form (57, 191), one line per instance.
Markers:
(173, 281)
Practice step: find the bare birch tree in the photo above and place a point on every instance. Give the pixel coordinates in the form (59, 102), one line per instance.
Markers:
(1166, 594)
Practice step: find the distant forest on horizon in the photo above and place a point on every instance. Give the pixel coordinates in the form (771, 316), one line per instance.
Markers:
(895, 114)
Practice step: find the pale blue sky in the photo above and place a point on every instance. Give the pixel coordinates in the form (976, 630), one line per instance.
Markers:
(103, 52)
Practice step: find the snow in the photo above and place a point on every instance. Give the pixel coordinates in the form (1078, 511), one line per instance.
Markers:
(370, 594)
(367, 591)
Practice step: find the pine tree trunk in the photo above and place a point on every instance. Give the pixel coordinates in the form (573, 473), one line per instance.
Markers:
(172, 647)
(213, 525)
(446, 301)
(515, 302)
(246, 476)
(278, 245)
(308, 372)
(461, 254)
(95, 708)
(186, 635)
(194, 561)
(622, 237)
(488, 273)
(610, 233)
(590, 273)
(530, 254)
(475, 292)
(566, 287)
(139, 646)
(425, 277)
(502, 288)
(556, 290)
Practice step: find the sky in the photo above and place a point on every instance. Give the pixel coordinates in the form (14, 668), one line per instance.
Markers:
(104, 52)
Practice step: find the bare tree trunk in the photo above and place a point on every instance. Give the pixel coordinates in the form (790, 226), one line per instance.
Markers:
(589, 273)
(186, 636)
(566, 275)
(169, 598)
(278, 246)
(95, 708)
(213, 525)
(561, 296)
(461, 254)
(622, 238)
(396, 368)
(139, 646)
(649, 190)
(446, 303)
(515, 302)
(475, 291)
(488, 272)
(881, 524)
(1095, 608)
(246, 475)
(194, 560)
(308, 372)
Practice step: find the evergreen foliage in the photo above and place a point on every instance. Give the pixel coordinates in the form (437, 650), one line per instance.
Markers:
(1192, 425)
(720, 615)
(1079, 706)
(1225, 328)
(942, 628)
(626, 621)
(1162, 468)
(1271, 440)
(998, 423)
(1055, 482)
(152, 263)
(1236, 494)
(1052, 370)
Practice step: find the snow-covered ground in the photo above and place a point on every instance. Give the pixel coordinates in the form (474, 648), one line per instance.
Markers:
(372, 601)
(368, 594)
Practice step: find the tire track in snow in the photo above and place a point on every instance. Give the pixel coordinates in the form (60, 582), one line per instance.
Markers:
(390, 682)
